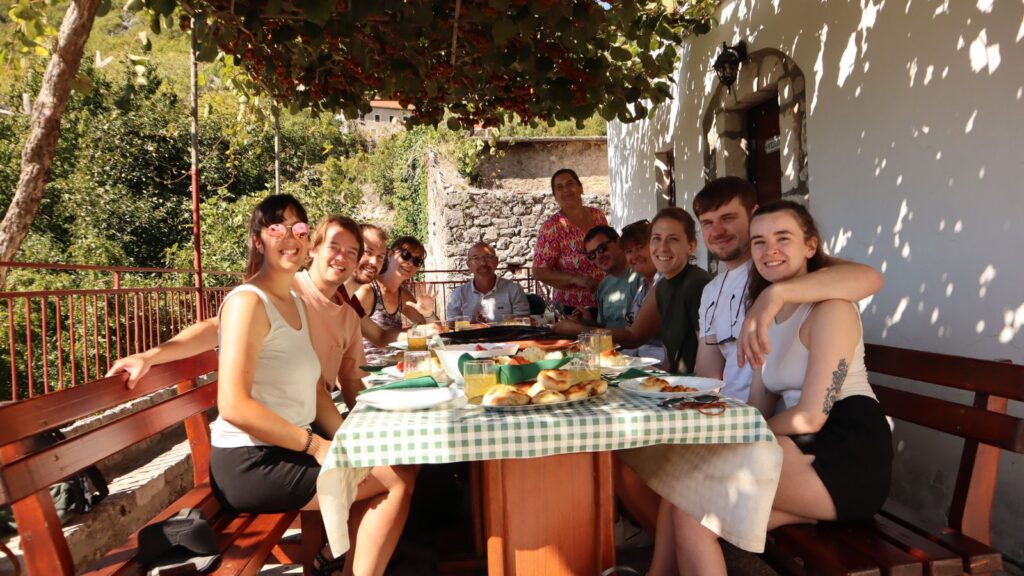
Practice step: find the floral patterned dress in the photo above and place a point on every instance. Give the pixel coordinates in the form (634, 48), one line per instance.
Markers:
(560, 247)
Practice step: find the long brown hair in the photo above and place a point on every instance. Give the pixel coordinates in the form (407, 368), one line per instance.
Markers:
(810, 229)
(269, 211)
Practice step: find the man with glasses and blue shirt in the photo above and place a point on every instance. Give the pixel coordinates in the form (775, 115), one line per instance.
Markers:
(486, 297)
(734, 338)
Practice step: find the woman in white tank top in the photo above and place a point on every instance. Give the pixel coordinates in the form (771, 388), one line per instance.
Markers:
(836, 442)
(265, 456)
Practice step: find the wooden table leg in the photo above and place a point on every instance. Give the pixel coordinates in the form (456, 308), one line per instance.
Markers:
(549, 516)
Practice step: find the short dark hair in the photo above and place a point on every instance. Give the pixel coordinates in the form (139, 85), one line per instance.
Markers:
(409, 243)
(601, 230)
(345, 223)
(721, 191)
(561, 171)
(638, 233)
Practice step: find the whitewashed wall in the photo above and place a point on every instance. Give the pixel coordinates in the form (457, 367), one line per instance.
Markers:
(914, 129)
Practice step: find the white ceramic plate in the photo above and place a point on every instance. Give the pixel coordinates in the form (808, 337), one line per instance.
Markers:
(449, 355)
(409, 399)
(703, 385)
(529, 407)
(634, 362)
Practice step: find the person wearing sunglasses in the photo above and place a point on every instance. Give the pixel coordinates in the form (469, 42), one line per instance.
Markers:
(559, 259)
(617, 289)
(388, 298)
(836, 442)
(287, 337)
(486, 297)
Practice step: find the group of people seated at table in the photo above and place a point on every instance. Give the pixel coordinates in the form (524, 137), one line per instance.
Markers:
(778, 324)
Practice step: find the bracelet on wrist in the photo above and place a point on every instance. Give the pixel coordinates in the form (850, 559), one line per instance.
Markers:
(309, 441)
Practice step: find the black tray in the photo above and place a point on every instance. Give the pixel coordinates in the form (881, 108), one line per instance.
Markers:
(499, 334)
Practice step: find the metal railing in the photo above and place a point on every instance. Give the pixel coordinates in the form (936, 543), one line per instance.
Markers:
(54, 338)
(51, 339)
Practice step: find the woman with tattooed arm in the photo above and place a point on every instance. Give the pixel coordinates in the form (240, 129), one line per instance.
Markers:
(836, 442)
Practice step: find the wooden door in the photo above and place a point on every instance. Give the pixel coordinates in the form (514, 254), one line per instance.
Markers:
(764, 167)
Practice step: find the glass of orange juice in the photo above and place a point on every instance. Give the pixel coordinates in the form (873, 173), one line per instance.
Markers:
(597, 340)
(417, 364)
(417, 337)
(479, 375)
(461, 323)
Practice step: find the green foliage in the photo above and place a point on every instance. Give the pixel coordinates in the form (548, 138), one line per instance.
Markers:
(540, 59)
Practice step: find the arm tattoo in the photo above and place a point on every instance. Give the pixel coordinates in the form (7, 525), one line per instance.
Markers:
(838, 377)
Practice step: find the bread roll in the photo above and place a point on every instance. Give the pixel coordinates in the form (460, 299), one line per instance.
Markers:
(548, 397)
(597, 387)
(558, 380)
(501, 395)
(577, 392)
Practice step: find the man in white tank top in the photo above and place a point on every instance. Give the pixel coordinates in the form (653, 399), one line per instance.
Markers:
(732, 337)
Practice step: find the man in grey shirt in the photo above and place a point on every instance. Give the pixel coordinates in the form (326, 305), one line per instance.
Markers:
(486, 297)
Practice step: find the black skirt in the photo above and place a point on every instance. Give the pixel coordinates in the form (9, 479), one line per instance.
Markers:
(263, 478)
(853, 457)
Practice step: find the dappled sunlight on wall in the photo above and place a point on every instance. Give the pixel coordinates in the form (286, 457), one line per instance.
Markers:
(914, 115)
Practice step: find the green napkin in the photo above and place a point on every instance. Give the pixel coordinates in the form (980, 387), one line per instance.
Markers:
(638, 373)
(515, 373)
(421, 382)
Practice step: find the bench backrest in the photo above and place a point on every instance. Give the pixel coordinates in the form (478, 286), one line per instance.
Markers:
(984, 424)
(25, 475)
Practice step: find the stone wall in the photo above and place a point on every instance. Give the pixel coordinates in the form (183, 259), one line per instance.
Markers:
(509, 211)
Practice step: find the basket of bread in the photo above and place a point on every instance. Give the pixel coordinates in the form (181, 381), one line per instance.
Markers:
(552, 386)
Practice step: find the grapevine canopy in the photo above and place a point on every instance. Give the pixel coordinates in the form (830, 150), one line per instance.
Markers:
(543, 60)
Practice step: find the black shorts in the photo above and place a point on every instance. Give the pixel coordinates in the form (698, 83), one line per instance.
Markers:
(853, 457)
(263, 478)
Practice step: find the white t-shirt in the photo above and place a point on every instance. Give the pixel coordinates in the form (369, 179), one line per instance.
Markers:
(722, 310)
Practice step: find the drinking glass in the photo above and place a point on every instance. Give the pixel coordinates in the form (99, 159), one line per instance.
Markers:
(461, 323)
(597, 340)
(479, 375)
(417, 337)
(417, 363)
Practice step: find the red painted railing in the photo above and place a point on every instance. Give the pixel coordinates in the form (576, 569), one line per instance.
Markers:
(51, 339)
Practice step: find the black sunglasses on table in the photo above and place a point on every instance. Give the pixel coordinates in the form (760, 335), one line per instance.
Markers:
(416, 261)
(601, 249)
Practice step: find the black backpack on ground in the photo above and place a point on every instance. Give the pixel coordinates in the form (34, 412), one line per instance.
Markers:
(72, 496)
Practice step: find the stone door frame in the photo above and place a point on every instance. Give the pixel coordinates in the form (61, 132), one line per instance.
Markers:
(767, 73)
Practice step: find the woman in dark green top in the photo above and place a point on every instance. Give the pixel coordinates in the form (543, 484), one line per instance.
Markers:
(673, 243)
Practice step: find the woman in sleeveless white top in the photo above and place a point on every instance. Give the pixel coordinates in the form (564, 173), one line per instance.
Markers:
(265, 456)
(836, 442)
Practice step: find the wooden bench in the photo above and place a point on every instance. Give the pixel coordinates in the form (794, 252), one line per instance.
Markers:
(896, 542)
(246, 540)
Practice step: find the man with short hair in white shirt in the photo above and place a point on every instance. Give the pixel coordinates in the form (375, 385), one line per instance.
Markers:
(486, 297)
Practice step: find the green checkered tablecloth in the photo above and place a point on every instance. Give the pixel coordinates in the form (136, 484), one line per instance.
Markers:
(615, 421)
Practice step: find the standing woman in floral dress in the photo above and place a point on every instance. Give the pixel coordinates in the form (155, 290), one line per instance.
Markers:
(559, 259)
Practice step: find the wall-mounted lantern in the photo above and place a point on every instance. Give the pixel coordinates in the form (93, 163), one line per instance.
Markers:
(727, 64)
